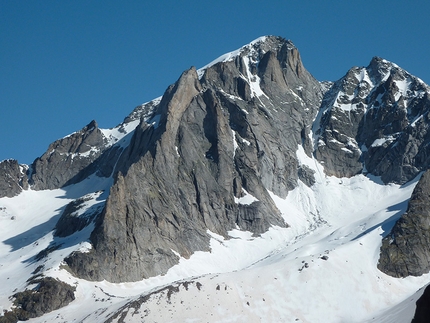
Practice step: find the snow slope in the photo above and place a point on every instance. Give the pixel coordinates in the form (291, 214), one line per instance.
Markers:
(320, 269)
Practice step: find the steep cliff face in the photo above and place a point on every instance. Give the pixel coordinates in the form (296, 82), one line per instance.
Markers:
(272, 101)
(375, 120)
(406, 250)
(204, 162)
(13, 178)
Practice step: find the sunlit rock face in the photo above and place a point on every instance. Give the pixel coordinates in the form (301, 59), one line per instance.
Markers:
(231, 131)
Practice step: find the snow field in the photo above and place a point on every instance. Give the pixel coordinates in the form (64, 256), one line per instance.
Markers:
(320, 269)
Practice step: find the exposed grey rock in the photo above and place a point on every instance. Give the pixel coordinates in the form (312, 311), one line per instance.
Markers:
(139, 227)
(406, 250)
(276, 122)
(374, 119)
(73, 220)
(66, 159)
(306, 175)
(144, 111)
(50, 294)
(13, 178)
(83, 153)
(214, 138)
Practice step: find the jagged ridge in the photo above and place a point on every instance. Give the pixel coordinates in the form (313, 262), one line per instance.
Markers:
(375, 120)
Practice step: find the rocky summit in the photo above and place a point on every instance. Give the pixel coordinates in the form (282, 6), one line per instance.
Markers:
(217, 157)
(215, 139)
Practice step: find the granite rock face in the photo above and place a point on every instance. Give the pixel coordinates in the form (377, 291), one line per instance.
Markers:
(375, 120)
(406, 250)
(13, 178)
(78, 214)
(75, 157)
(66, 160)
(232, 131)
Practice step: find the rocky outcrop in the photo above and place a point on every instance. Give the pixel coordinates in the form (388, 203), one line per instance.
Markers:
(68, 160)
(406, 250)
(375, 120)
(77, 215)
(336, 127)
(210, 141)
(50, 294)
(164, 293)
(144, 111)
(13, 178)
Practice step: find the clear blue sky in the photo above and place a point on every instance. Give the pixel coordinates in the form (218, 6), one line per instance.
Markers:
(65, 63)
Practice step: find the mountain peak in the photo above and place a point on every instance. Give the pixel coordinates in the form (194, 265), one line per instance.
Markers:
(250, 158)
(381, 69)
(260, 45)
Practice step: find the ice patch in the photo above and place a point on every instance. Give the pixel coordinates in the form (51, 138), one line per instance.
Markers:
(253, 80)
(381, 141)
(155, 121)
(115, 135)
(247, 199)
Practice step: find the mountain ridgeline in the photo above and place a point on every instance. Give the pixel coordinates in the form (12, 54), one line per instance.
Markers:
(229, 131)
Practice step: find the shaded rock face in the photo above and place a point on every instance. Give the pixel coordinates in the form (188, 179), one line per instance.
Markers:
(73, 219)
(422, 312)
(13, 178)
(215, 138)
(406, 250)
(64, 161)
(375, 120)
